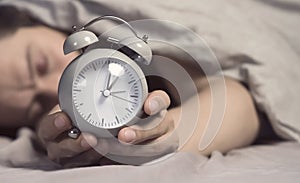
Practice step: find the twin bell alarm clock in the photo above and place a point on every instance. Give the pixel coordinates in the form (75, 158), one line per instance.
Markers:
(104, 89)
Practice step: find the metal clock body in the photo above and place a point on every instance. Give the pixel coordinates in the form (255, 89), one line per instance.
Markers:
(102, 90)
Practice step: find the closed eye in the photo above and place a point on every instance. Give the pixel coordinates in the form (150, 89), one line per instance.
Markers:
(42, 66)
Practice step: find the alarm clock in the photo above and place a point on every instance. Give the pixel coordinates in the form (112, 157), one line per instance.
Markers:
(104, 88)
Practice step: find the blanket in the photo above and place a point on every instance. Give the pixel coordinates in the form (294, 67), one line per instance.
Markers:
(20, 162)
(255, 41)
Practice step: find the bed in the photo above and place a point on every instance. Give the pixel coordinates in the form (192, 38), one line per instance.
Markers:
(274, 162)
(245, 37)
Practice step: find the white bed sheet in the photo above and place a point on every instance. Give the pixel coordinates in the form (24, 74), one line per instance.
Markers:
(276, 163)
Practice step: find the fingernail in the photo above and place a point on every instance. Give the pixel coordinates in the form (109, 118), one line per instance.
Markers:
(154, 104)
(130, 135)
(59, 122)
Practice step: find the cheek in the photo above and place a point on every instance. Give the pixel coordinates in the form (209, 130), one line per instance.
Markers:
(53, 51)
(15, 106)
(19, 100)
(61, 61)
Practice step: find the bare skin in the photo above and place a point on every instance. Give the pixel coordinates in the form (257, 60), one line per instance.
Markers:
(240, 123)
(32, 63)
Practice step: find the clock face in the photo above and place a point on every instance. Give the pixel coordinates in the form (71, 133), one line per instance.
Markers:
(107, 93)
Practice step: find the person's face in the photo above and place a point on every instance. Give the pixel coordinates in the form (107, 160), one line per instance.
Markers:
(31, 63)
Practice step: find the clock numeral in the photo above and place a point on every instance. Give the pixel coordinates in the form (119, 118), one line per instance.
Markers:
(81, 75)
(128, 110)
(102, 121)
(76, 90)
(134, 96)
(93, 122)
(94, 67)
(117, 120)
(89, 116)
(131, 81)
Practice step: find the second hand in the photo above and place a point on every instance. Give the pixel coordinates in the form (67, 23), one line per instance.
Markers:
(123, 99)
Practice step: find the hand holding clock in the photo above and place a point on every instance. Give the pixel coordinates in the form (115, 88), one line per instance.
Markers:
(91, 95)
(52, 130)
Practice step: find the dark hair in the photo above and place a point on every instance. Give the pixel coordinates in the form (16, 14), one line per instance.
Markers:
(11, 19)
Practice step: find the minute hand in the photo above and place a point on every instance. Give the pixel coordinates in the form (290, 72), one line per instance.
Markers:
(108, 80)
(112, 84)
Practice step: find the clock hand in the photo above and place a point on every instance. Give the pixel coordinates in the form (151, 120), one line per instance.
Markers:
(107, 93)
(112, 84)
(123, 99)
(108, 80)
(115, 92)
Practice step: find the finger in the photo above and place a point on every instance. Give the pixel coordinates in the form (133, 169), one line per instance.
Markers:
(70, 147)
(134, 135)
(52, 126)
(156, 101)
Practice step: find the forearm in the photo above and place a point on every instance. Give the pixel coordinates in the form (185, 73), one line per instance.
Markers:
(239, 126)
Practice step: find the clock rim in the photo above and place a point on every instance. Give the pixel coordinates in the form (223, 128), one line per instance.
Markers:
(66, 94)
